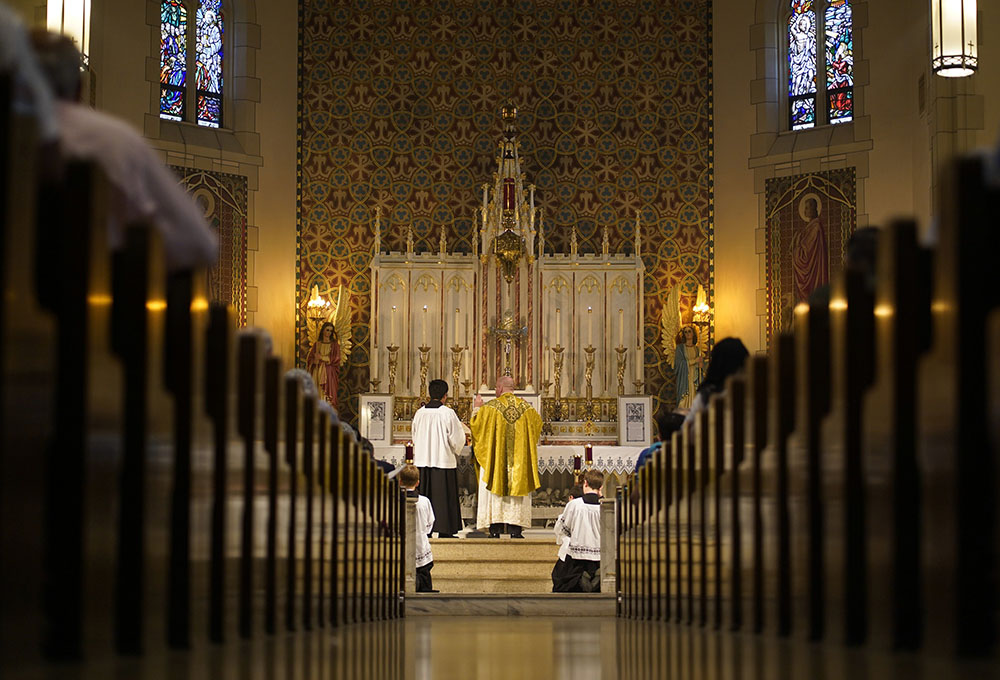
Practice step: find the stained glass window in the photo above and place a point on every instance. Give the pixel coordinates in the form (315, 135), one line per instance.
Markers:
(208, 79)
(812, 99)
(802, 64)
(839, 61)
(173, 58)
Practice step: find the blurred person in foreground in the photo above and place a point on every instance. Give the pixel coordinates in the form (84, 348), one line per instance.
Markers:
(142, 188)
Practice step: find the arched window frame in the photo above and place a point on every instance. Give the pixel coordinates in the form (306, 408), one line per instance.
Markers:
(822, 94)
(191, 91)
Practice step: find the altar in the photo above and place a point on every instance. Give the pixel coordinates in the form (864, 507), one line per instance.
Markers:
(566, 326)
(556, 469)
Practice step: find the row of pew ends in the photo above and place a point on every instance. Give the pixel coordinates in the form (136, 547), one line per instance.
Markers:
(843, 488)
(164, 482)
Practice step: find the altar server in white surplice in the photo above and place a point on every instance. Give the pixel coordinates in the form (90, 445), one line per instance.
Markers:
(438, 438)
(581, 523)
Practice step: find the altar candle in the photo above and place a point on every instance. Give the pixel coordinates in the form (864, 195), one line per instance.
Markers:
(590, 326)
(588, 452)
(621, 327)
(392, 326)
(484, 203)
(423, 328)
(456, 325)
(558, 329)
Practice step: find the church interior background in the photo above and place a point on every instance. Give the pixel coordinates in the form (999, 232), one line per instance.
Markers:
(669, 173)
(400, 113)
(676, 111)
(355, 139)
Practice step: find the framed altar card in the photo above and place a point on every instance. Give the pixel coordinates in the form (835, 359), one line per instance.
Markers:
(635, 421)
(375, 418)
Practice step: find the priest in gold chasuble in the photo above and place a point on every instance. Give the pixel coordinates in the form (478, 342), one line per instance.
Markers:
(505, 435)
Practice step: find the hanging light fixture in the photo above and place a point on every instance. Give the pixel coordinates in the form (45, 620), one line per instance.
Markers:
(954, 48)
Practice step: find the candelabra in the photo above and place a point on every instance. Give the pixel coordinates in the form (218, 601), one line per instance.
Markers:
(392, 350)
(467, 384)
(621, 369)
(588, 374)
(557, 381)
(456, 366)
(425, 357)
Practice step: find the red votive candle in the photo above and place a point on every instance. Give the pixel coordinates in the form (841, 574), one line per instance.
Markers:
(576, 462)
(588, 452)
(409, 453)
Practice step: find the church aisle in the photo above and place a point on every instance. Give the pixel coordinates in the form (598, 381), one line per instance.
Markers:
(518, 648)
(592, 648)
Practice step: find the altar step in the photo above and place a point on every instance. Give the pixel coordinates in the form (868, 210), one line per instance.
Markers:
(512, 604)
(493, 565)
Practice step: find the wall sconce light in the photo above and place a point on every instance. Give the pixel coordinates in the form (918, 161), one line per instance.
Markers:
(318, 307)
(954, 47)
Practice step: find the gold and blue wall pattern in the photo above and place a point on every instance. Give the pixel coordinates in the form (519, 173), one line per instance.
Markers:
(399, 107)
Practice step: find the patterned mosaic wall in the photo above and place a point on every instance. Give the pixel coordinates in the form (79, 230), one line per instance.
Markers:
(809, 220)
(223, 197)
(399, 108)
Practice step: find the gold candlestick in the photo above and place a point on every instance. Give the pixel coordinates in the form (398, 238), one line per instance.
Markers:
(456, 366)
(588, 375)
(467, 408)
(557, 363)
(425, 357)
(392, 350)
(621, 369)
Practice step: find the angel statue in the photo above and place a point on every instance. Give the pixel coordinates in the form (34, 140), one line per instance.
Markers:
(330, 343)
(688, 367)
(680, 346)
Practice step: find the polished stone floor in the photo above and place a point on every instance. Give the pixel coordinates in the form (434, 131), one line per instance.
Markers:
(521, 648)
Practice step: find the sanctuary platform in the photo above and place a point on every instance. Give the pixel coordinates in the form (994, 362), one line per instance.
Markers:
(501, 577)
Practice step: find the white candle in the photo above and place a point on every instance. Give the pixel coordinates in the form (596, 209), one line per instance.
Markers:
(590, 326)
(392, 326)
(423, 328)
(374, 361)
(621, 327)
(484, 203)
(558, 329)
(457, 318)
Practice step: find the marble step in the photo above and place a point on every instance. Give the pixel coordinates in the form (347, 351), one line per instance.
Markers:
(494, 550)
(511, 604)
(487, 569)
(507, 584)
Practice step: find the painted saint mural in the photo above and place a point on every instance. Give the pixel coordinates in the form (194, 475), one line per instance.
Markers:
(808, 221)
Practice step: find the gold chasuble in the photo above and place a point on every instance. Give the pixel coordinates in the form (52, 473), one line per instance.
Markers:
(505, 435)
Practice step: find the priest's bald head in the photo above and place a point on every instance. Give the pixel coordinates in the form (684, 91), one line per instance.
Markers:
(504, 384)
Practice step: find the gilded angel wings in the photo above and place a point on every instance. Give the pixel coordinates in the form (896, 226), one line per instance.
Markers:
(670, 324)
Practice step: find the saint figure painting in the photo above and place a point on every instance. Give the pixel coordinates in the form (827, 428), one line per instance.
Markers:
(808, 221)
